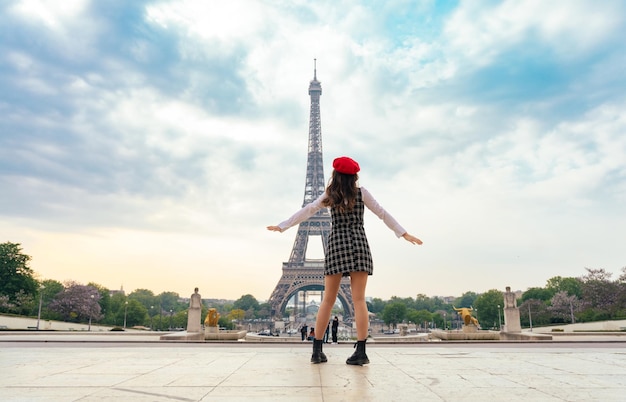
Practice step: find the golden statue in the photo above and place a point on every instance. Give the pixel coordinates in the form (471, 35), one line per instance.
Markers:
(466, 314)
(212, 318)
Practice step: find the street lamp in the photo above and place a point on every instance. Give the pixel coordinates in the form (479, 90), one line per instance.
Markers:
(41, 288)
(171, 312)
(499, 319)
(151, 316)
(90, 311)
(445, 324)
(125, 310)
(530, 318)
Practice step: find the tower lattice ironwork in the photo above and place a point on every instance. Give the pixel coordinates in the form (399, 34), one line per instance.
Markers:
(300, 273)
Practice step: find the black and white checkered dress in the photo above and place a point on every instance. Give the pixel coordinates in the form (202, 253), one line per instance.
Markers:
(348, 249)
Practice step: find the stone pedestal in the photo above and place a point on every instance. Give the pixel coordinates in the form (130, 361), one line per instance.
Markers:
(470, 329)
(211, 330)
(194, 320)
(512, 322)
(404, 329)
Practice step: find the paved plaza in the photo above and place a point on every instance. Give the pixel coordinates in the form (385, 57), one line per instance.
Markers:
(93, 367)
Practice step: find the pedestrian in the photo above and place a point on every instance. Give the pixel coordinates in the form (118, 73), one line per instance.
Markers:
(348, 252)
(325, 339)
(312, 334)
(303, 330)
(335, 328)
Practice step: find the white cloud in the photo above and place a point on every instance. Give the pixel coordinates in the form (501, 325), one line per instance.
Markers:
(67, 26)
(570, 29)
(186, 152)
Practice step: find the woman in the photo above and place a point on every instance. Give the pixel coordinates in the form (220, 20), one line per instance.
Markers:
(348, 252)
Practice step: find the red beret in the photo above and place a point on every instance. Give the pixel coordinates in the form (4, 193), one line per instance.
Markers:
(346, 165)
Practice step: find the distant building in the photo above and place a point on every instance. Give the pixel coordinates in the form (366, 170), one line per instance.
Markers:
(115, 292)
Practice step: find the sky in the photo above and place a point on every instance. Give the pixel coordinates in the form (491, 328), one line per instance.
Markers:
(148, 144)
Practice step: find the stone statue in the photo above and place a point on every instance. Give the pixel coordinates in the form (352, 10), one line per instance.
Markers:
(194, 316)
(212, 318)
(509, 298)
(466, 315)
(512, 322)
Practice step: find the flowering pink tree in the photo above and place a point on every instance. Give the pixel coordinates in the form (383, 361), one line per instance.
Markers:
(563, 307)
(77, 303)
(599, 294)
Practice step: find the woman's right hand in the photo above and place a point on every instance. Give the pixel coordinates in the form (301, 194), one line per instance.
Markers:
(274, 228)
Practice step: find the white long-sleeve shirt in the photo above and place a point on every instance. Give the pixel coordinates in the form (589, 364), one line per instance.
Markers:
(311, 208)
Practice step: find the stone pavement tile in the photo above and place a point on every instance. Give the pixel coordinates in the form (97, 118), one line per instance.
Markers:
(264, 394)
(612, 380)
(214, 370)
(44, 394)
(149, 394)
(542, 381)
(373, 382)
(494, 394)
(295, 375)
(409, 393)
(579, 394)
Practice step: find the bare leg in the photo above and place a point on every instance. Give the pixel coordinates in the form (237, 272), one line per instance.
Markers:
(331, 288)
(358, 281)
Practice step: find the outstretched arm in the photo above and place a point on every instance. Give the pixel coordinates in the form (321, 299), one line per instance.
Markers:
(302, 215)
(391, 223)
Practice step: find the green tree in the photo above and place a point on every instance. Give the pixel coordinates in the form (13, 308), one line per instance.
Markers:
(570, 285)
(263, 311)
(376, 306)
(407, 301)
(421, 318)
(393, 313)
(105, 298)
(246, 303)
(224, 322)
(15, 274)
(423, 302)
(236, 314)
(24, 303)
(115, 315)
(537, 294)
(163, 304)
(487, 306)
(136, 313)
(466, 300)
(535, 312)
(51, 288)
(621, 297)
(144, 296)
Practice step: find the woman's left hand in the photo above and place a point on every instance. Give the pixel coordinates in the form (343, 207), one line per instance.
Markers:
(411, 239)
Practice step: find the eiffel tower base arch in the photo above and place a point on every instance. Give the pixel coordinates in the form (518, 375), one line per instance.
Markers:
(307, 276)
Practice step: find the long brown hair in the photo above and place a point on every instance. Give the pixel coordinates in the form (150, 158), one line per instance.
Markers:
(341, 191)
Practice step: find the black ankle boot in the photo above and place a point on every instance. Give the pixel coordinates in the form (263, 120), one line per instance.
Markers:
(318, 356)
(359, 357)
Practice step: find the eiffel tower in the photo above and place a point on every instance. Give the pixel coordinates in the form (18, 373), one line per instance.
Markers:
(299, 273)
